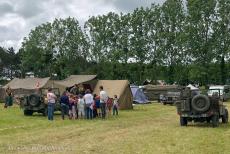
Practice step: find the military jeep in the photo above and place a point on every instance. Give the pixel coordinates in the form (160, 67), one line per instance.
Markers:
(36, 102)
(201, 108)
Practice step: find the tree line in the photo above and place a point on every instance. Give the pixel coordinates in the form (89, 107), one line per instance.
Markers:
(179, 41)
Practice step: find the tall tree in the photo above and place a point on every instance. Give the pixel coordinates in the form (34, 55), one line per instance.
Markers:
(172, 21)
(201, 17)
(222, 37)
(55, 48)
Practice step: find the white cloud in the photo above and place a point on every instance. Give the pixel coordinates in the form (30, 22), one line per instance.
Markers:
(18, 17)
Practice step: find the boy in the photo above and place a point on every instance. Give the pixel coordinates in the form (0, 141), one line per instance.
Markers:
(115, 105)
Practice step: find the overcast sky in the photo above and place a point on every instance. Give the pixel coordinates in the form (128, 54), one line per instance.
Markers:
(18, 17)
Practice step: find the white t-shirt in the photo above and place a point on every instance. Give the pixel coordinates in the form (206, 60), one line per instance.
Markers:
(81, 103)
(51, 97)
(88, 98)
(103, 96)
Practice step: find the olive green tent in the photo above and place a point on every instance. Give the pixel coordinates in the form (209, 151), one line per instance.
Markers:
(28, 85)
(120, 88)
(77, 79)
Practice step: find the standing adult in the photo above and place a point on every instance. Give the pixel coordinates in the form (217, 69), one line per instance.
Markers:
(9, 97)
(64, 100)
(75, 90)
(103, 100)
(89, 104)
(51, 102)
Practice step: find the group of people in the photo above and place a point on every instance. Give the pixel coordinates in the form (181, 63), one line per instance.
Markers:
(78, 104)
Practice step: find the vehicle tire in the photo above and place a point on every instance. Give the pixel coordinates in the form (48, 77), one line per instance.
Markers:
(225, 117)
(28, 112)
(215, 120)
(34, 100)
(164, 103)
(183, 121)
(200, 103)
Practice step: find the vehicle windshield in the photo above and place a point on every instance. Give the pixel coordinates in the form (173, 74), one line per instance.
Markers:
(212, 91)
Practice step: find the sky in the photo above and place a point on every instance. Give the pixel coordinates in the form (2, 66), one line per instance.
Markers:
(18, 17)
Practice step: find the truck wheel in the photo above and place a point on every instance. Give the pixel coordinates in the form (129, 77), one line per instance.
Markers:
(200, 103)
(183, 121)
(28, 112)
(215, 120)
(225, 117)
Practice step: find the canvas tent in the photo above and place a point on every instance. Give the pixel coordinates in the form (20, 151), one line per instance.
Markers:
(28, 85)
(138, 95)
(86, 80)
(120, 88)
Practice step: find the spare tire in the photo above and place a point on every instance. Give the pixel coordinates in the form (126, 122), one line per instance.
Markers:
(200, 103)
(34, 100)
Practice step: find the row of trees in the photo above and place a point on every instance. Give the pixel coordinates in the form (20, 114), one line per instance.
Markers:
(178, 42)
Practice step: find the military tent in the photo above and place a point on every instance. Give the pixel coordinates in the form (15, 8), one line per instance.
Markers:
(28, 85)
(138, 95)
(88, 81)
(120, 88)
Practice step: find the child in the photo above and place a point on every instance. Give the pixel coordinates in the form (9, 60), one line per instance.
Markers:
(115, 105)
(81, 107)
(97, 104)
(72, 110)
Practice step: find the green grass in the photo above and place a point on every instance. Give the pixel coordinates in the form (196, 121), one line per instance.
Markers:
(150, 128)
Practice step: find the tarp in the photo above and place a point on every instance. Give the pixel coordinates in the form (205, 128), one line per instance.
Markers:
(138, 95)
(120, 88)
(27, 83)
(76, 79)
(192, 87)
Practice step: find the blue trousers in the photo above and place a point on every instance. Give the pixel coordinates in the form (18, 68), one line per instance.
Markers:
(50, 111)
(89, 113)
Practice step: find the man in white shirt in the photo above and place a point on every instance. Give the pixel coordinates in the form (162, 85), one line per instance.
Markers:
(103, 100)
(51, 102)
(89, 104)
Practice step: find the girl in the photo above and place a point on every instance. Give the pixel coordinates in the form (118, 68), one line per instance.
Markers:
(72, 109)
(81, 107)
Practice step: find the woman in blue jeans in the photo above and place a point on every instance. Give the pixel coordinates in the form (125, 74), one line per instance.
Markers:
(51, 102)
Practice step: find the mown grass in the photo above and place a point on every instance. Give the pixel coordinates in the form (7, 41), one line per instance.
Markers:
(152, 128)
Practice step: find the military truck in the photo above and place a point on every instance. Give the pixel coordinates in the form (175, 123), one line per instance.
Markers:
(36, 102)
(201, 108)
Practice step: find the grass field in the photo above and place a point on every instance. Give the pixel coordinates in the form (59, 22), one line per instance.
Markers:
(150, 128)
